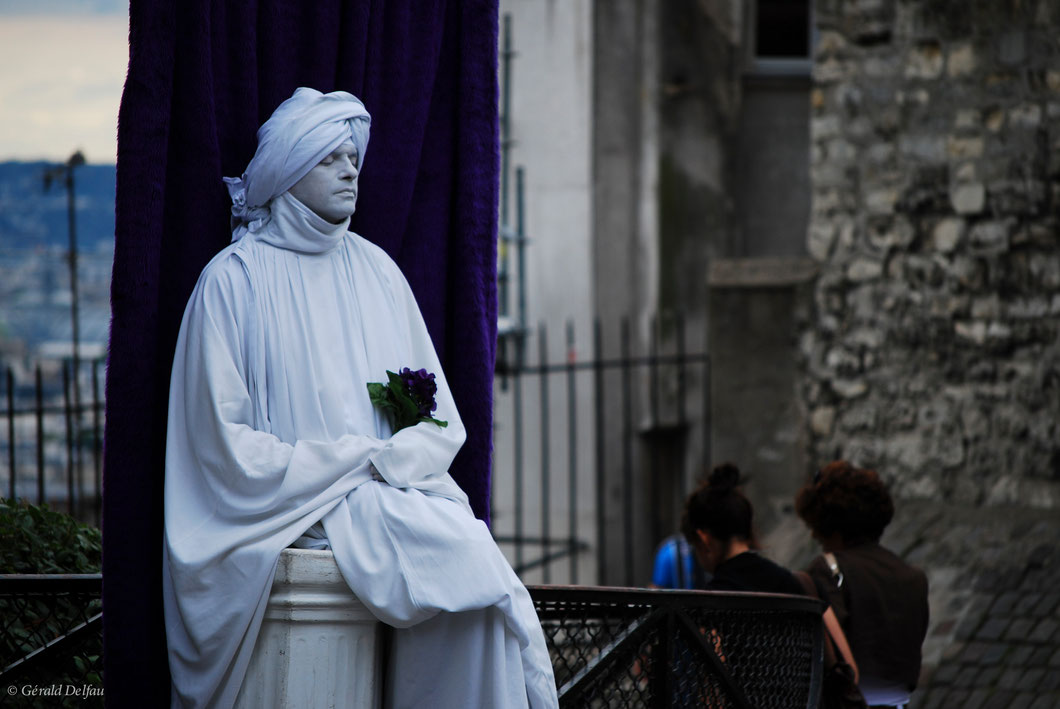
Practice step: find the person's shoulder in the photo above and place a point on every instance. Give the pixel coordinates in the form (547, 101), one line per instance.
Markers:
(369, 249)
(377, 256)
(912, 574)
(755, 572)
(873, 555)
(818, 567)
(226, 275)
(668, 545)
(668, 552)
(664, 566)
(780, 577)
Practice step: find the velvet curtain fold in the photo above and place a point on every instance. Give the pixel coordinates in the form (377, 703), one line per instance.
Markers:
(203, 75)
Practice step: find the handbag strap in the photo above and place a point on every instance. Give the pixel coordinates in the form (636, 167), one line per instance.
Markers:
(680, 556)
(833, 566)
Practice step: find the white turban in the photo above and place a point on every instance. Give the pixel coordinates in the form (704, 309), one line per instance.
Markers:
(301, 132)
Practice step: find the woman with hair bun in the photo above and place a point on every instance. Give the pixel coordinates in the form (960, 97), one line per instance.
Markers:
(718, 523)
(880, 600)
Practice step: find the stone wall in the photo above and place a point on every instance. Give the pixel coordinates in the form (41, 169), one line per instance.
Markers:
(932, 351)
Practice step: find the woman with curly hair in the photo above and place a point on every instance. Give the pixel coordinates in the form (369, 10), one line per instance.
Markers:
(880, 600)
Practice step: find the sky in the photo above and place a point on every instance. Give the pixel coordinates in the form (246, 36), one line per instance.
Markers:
(62, 68)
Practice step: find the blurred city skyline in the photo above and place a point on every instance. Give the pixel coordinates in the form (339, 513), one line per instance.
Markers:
(65, 63)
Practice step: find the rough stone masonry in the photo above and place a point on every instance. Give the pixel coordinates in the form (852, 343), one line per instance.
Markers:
(932, 350)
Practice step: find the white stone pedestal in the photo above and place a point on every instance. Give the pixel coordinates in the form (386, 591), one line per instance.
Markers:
(318, 646)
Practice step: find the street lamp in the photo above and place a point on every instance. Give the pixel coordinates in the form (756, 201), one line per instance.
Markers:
(65, 174)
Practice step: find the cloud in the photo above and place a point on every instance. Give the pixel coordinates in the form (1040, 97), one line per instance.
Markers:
(62, 84)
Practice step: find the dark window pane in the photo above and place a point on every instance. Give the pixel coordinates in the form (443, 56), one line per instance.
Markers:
(783, 28)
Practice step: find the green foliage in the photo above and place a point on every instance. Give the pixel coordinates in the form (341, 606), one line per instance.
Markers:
(39, 540)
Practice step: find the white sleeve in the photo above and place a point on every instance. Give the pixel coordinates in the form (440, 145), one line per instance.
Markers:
(221, 471)
(415, 455)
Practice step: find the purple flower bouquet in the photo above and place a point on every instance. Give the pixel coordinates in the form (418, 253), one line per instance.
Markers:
(407, 398)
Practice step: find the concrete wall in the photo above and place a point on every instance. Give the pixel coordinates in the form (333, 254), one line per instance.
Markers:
(663, 117)
(552, 134)
(696, 168)
(933, 352)
(550, 122)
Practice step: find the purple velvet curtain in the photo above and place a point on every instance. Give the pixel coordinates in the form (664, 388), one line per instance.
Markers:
(203, 75)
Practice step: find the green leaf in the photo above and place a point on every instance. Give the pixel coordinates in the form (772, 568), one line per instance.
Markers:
(377, 393)
(396, 382)
(406, 408)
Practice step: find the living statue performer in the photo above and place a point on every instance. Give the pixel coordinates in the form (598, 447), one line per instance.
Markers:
(273, 441)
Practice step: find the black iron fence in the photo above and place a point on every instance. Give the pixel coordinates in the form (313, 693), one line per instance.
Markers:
(52, 439)
(51, 640)
(593, 455)
(629, 648)
(610, 647)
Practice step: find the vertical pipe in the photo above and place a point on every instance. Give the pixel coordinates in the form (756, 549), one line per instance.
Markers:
(520, 245)
(656, 472)
(572, 457)
(68, 416)
(76, 405)
(75, 422)
(653, 371)
(40, 436)
(517, 449)
(706, 412)
(97, 443)
(679, 331)
(601, 483)
(71, 212)
(627, 454)
(11, 434)
(679, 328)
(546, 497)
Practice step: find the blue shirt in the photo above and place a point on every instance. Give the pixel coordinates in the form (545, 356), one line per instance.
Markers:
(666, 572)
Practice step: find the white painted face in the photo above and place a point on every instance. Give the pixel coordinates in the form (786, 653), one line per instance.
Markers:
(330, 188)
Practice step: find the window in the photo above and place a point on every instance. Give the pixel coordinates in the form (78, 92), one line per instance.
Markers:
(779, 37)
(774, 147)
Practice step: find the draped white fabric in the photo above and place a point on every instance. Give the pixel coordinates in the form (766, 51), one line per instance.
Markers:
(271, 431)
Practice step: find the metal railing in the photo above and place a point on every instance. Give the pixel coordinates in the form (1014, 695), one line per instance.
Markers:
(51, 438)
(51, 640)
(610, 647)
(630, 648)
(626, 427)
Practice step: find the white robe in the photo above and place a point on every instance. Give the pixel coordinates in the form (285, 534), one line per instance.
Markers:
(271, 431)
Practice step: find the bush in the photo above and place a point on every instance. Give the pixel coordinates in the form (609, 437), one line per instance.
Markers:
(39, 540)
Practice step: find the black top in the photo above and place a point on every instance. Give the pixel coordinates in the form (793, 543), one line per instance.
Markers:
(883, 608)
(751, 572)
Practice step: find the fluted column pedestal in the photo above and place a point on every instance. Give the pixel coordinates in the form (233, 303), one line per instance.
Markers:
(318, 645)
